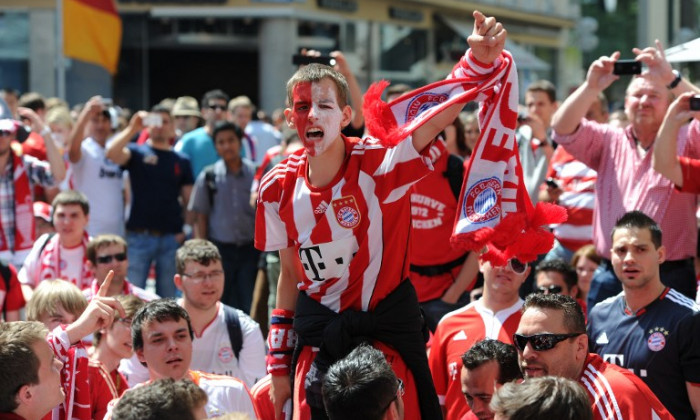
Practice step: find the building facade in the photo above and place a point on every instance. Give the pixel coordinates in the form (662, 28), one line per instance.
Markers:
(186, 47)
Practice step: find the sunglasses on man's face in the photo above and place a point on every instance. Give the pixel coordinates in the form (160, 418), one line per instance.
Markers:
(106, 259)
(219, 107)
(5, 133)
(552, 289)
(541, 342)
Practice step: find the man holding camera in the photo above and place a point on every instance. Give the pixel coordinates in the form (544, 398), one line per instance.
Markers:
(161, 179)
(626, 179)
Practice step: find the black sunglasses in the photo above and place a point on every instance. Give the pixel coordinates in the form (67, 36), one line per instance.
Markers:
(541, 342)
(106, 259)
(552, 289)
(4, 133)
(219, 107)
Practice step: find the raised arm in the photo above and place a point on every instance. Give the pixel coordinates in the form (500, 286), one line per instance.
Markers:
(664, 159)
(486, 43)
(600, 75)
(58, 168)
(117, 151)
(355, 92)
(77, 135)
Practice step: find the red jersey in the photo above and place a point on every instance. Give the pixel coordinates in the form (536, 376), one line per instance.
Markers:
(350, 233)
(104, 387)
(456, 333)
(618, 394)
(12, 300)
(433, 209)
(577, 182)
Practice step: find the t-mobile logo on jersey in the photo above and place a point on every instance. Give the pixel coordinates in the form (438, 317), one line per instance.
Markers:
(617, 359)
(329, 260)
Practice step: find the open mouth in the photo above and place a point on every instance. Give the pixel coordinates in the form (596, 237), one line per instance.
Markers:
(314, 133)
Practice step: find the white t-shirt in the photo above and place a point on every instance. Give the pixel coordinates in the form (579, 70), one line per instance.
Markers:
(102, 183)
(212, 352)
(70, 265)
(134, 372)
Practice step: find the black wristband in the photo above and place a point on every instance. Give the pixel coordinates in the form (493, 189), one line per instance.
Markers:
(675, 81)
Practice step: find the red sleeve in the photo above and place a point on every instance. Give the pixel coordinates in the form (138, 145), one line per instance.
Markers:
(691, 174)
(14, 299)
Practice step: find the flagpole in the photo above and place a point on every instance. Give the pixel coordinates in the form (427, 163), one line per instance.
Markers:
(60, 59)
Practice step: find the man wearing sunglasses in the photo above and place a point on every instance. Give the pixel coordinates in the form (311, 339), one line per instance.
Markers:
(108, 252)
(198, 144)
(646, 328)
(495, 315)
(555, 276)
(551, 341)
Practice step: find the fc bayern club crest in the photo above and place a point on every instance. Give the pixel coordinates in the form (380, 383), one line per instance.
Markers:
(347, 213)
(482, 201)
(422, 102)
(657, 339)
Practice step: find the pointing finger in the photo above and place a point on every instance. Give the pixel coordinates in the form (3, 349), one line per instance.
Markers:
(105, 284)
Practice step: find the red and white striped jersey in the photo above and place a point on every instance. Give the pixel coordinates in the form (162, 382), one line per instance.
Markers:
(353, 232)
(260, 393)
(618, 394)
(578, 197)
(456, 333)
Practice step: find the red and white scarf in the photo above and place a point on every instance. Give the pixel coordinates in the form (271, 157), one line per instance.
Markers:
(24, 213)
(74, 377)
(495, 209)
(50, 263)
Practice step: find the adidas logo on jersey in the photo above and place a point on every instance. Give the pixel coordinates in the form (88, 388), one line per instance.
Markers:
(321, 208)
(602, 339)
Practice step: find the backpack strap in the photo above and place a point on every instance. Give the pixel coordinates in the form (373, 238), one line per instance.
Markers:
(233, 325)
(210, 183)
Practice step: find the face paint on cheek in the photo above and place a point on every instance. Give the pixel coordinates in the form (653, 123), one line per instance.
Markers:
(301, 103)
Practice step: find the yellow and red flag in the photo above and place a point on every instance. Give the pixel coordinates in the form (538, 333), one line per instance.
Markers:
(92, 32)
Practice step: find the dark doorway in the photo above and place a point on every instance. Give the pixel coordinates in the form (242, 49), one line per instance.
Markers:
(181, 71)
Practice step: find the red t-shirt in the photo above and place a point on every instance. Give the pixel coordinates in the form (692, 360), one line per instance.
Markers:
(456, 333)
(104, 387)
(433, 209)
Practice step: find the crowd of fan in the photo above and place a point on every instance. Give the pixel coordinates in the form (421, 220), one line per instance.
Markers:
(162, 203)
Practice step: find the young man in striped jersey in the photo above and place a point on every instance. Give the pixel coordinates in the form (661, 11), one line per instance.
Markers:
(339, 213)
(551, 341)
(645, 328)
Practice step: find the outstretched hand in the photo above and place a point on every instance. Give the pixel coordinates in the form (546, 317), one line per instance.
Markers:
(487, 39)
(98, 314)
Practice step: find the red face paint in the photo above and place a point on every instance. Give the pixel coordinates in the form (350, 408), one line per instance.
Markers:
(301, 97)
(317, 115)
